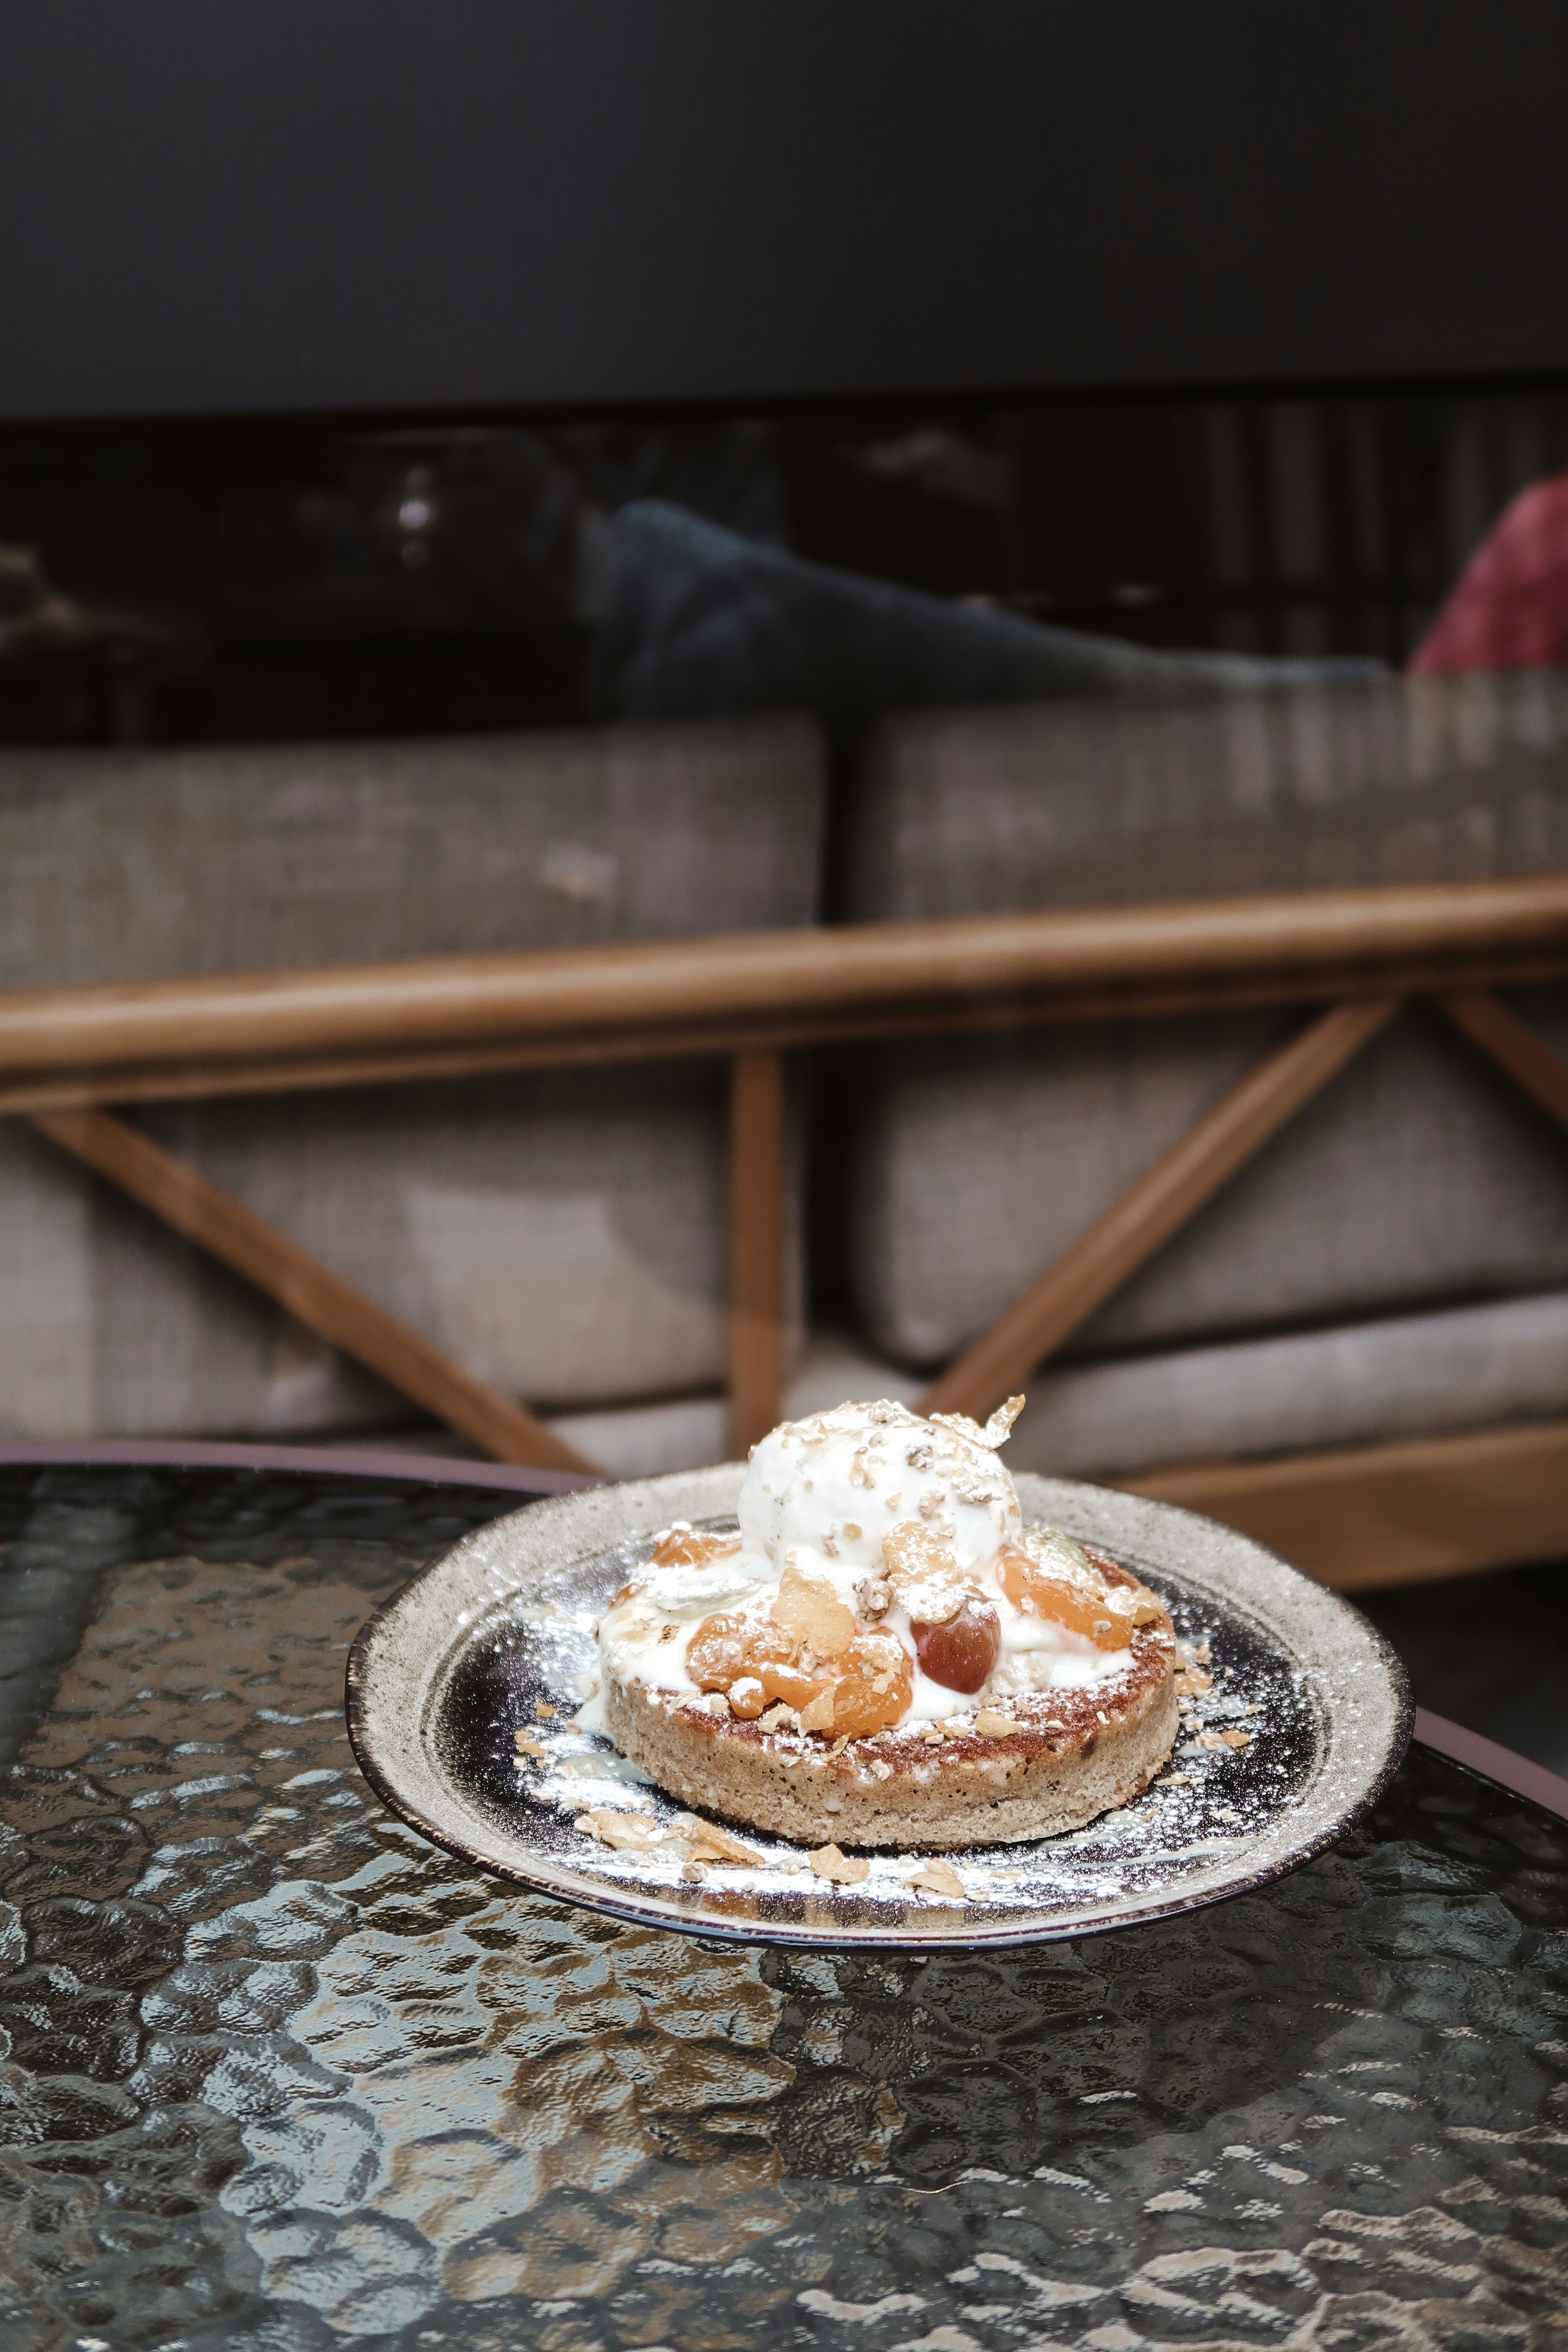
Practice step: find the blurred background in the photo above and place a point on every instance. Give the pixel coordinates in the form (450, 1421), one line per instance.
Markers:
(512, 478)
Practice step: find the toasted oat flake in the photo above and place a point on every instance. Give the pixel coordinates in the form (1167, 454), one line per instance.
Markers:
(542, 1708)
(817, 1715)
(933, 1877)
(991, 1726)
(843, 1869)
(627, 1832)
(526, 1744)
(706, 1841)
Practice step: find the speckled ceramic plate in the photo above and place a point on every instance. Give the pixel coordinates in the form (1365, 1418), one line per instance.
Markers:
(442, 1676)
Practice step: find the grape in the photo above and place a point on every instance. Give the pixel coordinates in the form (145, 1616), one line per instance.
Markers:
(961, 1655)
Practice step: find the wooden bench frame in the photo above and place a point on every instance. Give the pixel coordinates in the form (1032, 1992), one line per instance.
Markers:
(71, 1057)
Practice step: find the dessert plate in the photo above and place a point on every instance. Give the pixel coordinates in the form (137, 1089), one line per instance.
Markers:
(1304, 1725)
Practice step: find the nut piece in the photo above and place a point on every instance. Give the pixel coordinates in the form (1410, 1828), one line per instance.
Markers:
(526, 1744)
(843, 1869)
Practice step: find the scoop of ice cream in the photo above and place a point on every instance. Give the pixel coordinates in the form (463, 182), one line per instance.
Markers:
(824, 1492)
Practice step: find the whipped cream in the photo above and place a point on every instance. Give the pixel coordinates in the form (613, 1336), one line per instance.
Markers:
(822, 1497)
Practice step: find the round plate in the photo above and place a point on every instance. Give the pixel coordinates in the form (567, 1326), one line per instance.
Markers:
(1305, 1724)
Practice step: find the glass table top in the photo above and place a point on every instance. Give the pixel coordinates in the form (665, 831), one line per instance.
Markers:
(277, 2075)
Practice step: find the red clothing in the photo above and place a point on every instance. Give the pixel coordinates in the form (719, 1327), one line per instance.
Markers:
(1510, 607)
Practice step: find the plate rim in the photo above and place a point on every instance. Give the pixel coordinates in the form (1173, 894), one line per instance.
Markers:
(640, 1506)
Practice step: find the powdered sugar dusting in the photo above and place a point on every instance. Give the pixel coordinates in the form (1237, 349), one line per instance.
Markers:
(1247, 1737)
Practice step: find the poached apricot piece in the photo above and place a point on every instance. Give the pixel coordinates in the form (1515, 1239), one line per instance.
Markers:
(757, 1663)
(1066, 1588)
(728, 1648)
(1078, 1602)
(876, 1682)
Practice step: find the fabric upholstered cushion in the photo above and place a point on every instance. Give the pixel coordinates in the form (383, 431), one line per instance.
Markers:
(1402, 1376)
(1103, 803)
(143, 864)
(1352, 1384)
(560, 1233)
(1348, 1385)
(1419, 1176)
(561, 1238)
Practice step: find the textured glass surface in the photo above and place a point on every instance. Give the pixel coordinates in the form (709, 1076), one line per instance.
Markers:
(282, 2077)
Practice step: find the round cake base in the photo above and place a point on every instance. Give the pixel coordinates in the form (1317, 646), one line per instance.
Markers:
(1074, 1755)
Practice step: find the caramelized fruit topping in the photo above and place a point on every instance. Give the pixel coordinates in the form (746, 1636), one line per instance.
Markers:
(692, 1547)
(1059, 1581)
(757, 1662)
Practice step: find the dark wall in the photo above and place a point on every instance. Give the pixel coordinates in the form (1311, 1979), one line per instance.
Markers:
(432, 205)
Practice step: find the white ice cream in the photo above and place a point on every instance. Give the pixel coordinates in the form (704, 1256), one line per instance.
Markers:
(819, 1496)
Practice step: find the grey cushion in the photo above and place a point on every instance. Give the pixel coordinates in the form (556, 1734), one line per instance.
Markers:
(124, 864)
(564, 1241)
(1113, 802)
(1418, 1177)
(560, 1234)
(1405, 1376)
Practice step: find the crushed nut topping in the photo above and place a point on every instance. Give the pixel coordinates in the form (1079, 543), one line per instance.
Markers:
(972, 1491)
